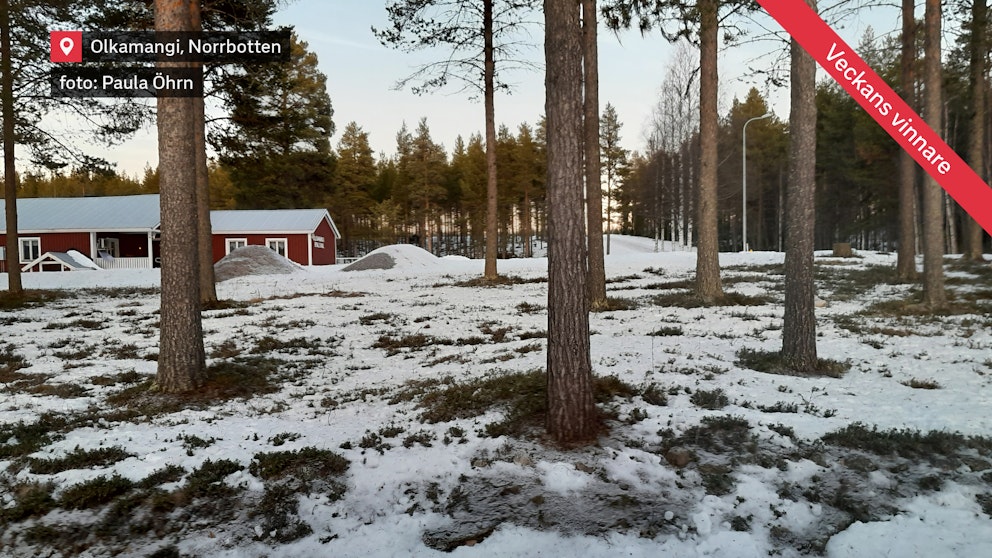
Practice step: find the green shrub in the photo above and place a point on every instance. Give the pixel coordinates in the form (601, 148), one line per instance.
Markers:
(306, 464)
(93, 493)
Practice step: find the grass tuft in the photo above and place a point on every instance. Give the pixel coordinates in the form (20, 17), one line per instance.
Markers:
(79, 459)
(905, 443)
(772, 362)
(711, 400)
(96, 492)
(306, 464)
(917, 383)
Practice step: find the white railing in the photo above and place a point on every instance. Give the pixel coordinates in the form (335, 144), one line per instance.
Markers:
(122, 263)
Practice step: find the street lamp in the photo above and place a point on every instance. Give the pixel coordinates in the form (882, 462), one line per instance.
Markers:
(744, 178)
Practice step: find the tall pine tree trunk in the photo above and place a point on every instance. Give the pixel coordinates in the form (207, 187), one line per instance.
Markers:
(708, 248)
(181, 356)
(571, 409)
(13, 251)
(934, 295)
(208, 290)
(799, 327)
(906, 256)
(492, 205)
(973, 234)
(594, 186)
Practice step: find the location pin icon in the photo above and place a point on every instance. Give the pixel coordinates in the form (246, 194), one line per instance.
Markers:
(66, 45)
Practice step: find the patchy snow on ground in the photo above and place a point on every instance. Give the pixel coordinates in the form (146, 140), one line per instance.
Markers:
(776, 465)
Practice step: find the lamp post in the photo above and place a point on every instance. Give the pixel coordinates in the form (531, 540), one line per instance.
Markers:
(744, 179)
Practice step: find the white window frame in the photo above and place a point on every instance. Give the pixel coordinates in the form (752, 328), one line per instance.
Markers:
(236, 242)
(3, 253)
(271, 243)
(23, 242)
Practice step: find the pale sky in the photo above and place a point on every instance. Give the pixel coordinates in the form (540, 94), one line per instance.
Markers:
(361, 73)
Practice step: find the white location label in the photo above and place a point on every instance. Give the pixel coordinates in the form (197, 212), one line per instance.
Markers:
(66, 45)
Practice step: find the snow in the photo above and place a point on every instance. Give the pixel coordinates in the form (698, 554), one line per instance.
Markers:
(395, 256)
(389, 505)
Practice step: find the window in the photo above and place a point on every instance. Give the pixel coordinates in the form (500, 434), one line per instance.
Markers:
(30, 249)
(278, 245)
(235, 243)
(3, 253)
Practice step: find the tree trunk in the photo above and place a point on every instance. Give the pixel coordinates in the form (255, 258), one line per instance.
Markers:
(492, 205)
(208, 290)
(973, 233)
(13, 251)
(181, 357)
(571, 409)
(708, 248)
(934, 295)
(906, 255)
(594, 186)
(528, 229)
(799, 326)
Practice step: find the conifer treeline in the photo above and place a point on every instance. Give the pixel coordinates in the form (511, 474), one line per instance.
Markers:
(857, 166)
(436, 198)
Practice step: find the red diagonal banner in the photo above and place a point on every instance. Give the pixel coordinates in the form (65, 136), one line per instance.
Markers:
(887, 108)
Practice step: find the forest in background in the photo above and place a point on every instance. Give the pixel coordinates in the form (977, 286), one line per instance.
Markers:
(435, 195)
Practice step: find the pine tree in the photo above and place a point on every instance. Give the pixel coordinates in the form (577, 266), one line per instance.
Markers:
(974, 235)
(593, 166)
(799, 328)
(355, 177)
(934, 296)
(479, 34)
(25, 96)
(277, 143)
(424, 164)
(906, 256)
(208, 289)
(12, 250)
(181, 361)
(571, 408)
(614, 158)
(708, 285)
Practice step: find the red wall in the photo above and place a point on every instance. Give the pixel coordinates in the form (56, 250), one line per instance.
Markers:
(325, 256)
(296, 244)
(63, 242)
(55, 242)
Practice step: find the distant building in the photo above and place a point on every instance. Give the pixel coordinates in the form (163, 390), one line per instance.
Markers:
(122, 232)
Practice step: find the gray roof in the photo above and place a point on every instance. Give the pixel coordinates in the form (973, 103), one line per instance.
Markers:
(112, 213)
(65, 259)
(141, 214)
(268, 220)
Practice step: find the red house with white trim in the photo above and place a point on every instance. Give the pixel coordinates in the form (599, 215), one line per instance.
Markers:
(123, 231)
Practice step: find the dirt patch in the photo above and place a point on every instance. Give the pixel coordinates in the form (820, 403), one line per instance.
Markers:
(253, 260)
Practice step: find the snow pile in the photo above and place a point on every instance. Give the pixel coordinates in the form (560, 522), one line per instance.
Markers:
(83, 259)
(253, 260)
(401, 256)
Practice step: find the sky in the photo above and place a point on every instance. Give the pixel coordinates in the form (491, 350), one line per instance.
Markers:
(362, 73)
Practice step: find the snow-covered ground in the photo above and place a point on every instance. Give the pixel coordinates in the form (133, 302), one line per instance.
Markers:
(766, 485)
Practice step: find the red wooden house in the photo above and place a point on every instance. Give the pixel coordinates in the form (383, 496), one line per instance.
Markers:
(123, 231)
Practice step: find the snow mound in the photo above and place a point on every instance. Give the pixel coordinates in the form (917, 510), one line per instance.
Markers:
(253, 260)
(401, 256)
(84, 260)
